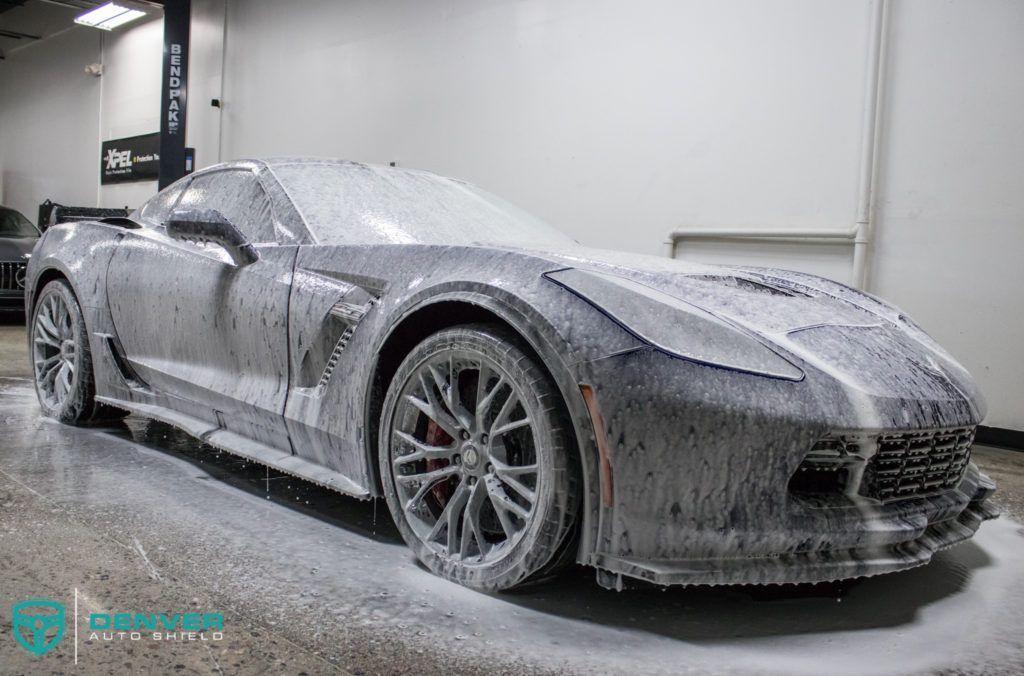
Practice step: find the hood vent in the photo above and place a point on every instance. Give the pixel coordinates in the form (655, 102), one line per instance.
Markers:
(744, 284)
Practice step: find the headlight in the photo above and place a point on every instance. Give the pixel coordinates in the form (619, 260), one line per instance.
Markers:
(673, 325)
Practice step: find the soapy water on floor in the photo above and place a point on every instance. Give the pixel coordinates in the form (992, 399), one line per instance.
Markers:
(316, 564)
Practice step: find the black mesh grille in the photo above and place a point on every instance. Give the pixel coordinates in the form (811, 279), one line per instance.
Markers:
(895, 465)
(909, 464)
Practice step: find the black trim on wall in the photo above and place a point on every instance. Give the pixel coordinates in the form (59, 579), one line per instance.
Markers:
(1000, 436)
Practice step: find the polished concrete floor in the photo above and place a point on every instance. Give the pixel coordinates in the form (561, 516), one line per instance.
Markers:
(141, 518)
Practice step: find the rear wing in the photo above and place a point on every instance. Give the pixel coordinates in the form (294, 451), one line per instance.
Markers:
(51, 213)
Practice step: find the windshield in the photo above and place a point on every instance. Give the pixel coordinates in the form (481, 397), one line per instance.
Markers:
(348, 203)
(13, 224)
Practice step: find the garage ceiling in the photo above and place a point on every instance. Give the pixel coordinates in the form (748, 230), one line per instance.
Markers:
(23, 22)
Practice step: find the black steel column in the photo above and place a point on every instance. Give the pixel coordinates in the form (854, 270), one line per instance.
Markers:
(177, 14)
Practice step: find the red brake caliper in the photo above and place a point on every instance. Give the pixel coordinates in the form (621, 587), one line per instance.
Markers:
(438, 437)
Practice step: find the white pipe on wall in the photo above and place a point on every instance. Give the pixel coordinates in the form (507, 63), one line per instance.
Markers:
(873, 87)
(100, 132)
(784, 234)
(223, 61)
(861, 233)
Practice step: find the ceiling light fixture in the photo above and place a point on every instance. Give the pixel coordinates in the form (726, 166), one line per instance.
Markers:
(113, 14)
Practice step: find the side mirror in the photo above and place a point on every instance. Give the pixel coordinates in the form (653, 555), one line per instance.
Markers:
(208, 225)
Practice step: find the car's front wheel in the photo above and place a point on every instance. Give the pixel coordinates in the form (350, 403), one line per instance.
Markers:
(476, 459)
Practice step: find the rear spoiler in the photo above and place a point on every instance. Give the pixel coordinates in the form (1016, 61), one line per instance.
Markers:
(51, 213)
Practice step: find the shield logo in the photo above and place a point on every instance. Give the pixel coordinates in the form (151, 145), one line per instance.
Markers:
(33, 620)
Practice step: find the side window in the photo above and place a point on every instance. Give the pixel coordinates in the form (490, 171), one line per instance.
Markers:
(156, 210)
(238, 196)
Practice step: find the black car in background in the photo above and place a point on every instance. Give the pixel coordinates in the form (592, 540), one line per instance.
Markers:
(17, 238)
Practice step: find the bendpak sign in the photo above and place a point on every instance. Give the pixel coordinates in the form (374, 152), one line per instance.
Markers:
(136, 158)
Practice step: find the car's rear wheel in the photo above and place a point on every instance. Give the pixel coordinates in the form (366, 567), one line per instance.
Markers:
(476, 458)
(61, 360)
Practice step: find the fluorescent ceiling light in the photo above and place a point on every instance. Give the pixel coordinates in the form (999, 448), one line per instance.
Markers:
(111, 15)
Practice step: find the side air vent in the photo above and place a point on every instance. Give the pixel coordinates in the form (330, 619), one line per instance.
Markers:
(324, 351)
(350, 314)
(124, 369)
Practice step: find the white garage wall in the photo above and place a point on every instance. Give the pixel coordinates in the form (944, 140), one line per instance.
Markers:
(621, 120)
(617, 120)
(130, 100)
(48, 123)
(950, 237)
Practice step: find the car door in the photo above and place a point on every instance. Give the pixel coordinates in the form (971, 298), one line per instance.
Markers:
(208, 336)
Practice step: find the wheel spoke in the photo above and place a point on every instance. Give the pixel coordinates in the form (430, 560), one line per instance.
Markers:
(42, 339)
(506, 523)
(431, 476)
(502, 501)
(45, 378)
(61, 383)
(471, 522)
(433, 409)
(424, 451)
(62, 319)
(54, 317)
(439, 380)
(455, 397)
(43, 365)
(501, 420)
(508, 427)
(442, 420)
(518, 487)
(456, 514)
(481, 386)
(449, 516)
(68, 372)
(484, 404)
(449, 390)
(502, 470)
(429, 480)
(44, 326)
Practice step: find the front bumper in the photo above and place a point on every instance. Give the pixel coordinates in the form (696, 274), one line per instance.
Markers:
(701, 460)
(905, 538)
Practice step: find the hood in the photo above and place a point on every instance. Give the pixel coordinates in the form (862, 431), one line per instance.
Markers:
(767, 302)
(15, 248)
(855, 338)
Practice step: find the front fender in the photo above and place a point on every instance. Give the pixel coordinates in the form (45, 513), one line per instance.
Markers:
(548, 330)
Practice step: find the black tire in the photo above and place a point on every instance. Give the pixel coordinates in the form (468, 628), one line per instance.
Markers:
(483, 464)
(70, 343)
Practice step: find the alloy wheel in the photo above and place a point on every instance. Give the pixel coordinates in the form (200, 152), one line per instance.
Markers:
(464, 457)
(54, 349)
